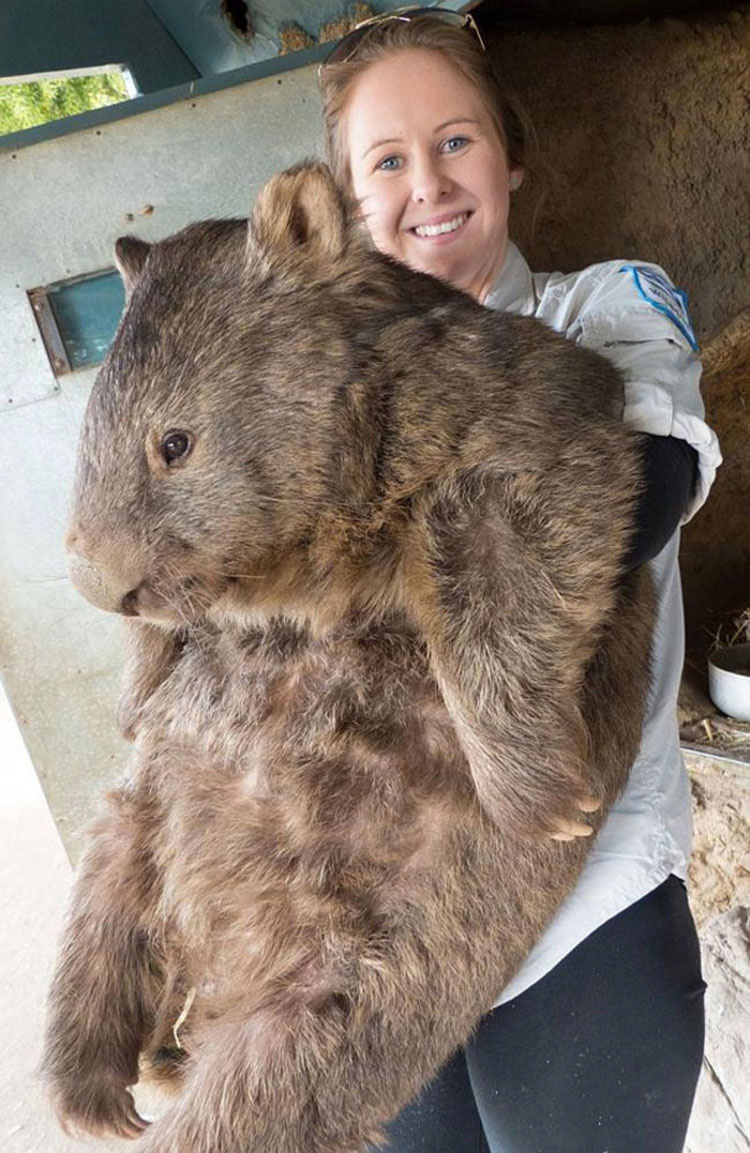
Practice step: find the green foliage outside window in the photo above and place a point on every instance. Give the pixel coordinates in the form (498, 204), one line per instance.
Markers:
(37, 101)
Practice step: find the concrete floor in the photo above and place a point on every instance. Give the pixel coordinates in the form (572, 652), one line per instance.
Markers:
(35, 877)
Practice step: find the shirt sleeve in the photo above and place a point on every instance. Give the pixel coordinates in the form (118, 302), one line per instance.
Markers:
(633, 315)
(670, 466)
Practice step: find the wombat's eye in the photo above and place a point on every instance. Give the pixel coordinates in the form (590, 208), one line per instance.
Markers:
(176, 446)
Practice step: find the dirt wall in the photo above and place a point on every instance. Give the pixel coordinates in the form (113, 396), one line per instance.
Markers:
(643, 151)
(715, 555)
(645, 136)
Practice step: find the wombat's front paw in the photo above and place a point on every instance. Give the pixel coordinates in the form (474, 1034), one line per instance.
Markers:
(99, 1108)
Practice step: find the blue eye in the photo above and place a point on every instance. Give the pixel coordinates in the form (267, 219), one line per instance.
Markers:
(455, 143)
(389, 163)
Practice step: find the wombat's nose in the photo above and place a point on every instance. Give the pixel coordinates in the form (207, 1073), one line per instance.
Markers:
(101, 586)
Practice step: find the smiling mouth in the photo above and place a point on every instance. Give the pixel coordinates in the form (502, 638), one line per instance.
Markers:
(442, 229)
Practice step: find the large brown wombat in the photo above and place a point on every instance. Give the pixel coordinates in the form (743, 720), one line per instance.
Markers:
(369, 536)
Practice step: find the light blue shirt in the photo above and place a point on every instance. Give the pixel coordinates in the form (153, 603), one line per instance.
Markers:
(632, 314)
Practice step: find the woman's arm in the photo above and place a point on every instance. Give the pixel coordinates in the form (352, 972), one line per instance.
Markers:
(636, 318)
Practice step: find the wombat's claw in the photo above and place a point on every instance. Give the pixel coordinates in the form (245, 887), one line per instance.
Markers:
(125, 1121)
(112, 1114)
(569, 830)
(134, 1125)
(589, 804)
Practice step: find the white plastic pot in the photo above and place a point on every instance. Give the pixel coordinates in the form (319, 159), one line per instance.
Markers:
(729, 681)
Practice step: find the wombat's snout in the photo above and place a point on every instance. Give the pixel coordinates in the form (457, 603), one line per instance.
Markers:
(105, 577)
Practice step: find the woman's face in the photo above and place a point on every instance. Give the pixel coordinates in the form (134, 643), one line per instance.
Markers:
(428, 168)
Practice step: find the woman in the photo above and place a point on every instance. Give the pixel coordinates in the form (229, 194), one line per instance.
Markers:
(596, 1045)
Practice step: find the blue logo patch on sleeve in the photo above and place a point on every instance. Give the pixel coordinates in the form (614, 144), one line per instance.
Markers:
(662, 295)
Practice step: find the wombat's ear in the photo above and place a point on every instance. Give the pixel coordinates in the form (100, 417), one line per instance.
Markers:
(299, 215)
(130, 257)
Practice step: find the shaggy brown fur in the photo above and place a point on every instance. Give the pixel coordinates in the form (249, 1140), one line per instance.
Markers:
(369, 534)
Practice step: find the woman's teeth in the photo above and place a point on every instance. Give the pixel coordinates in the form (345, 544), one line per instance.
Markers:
(439, 229)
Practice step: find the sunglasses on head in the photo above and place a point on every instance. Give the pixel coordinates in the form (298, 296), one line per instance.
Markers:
(350, 44)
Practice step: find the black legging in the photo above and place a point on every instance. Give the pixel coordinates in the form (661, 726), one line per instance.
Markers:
(600, 1056)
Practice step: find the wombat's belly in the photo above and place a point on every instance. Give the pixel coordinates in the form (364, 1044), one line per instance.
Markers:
(316, 830)
(309, 820)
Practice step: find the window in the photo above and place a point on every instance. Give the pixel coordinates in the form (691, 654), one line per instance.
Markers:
(78, 318)
(26, 101)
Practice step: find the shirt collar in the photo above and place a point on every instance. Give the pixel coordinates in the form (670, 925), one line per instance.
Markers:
(512, 290)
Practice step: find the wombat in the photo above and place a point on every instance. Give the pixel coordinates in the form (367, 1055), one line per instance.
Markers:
(368, 537)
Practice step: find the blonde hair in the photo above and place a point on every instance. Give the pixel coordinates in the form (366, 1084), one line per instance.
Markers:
(458, 46)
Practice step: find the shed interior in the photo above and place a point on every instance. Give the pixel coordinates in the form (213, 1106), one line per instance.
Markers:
(640, 116)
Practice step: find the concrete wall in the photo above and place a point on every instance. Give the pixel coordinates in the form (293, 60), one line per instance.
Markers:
(66, 201)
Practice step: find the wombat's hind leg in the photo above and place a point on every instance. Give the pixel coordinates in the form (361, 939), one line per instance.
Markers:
(101, 1003)
(316, 1075)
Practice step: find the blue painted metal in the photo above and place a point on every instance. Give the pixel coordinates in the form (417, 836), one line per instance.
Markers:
(47, 36)
(187, 21)
(206, 37)
(153, 100)
(87, 312)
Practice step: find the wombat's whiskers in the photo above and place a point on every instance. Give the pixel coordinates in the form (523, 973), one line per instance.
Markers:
(171, 580)
(61, 617)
